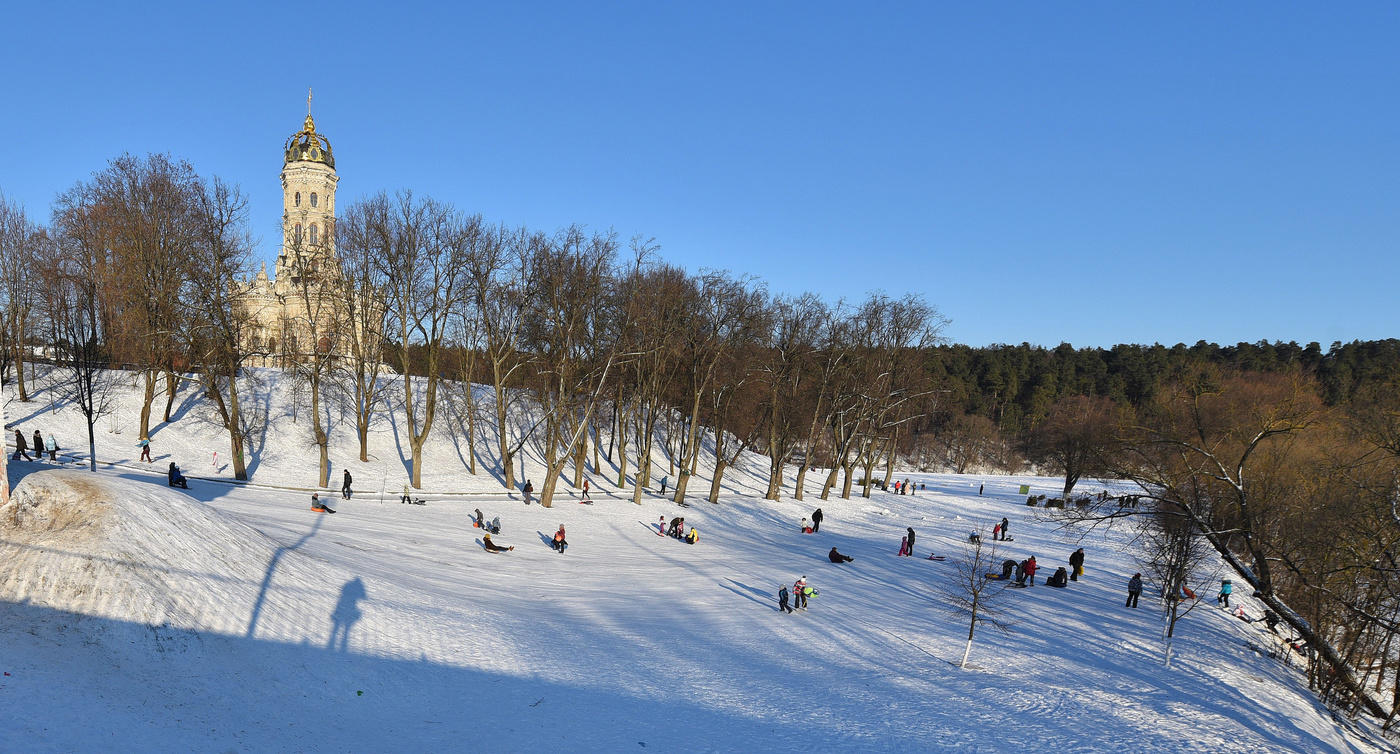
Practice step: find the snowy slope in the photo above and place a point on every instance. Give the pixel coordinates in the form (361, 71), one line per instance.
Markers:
(136, 617)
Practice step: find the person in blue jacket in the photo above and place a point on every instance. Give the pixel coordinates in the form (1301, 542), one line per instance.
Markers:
(1225, 589)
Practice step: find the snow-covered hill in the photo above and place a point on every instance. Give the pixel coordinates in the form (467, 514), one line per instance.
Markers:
(229, 618)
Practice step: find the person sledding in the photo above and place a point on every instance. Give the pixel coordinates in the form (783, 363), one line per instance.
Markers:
(693, 536)
(1059, 579)
(174, 478)
(495, 526)
(559, 543)
(317, 505)
(492, 546)
(837, 557)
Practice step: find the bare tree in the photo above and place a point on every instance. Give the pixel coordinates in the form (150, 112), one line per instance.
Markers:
(424, 269)
(722, 319)
(971, 594)
(146, 205)
(312, 339)
(574, 324)
(498, 285)
(1175, 555)
(362, 237)
(217, 323)
(73, 307)
(20, 241)
(1076, 438)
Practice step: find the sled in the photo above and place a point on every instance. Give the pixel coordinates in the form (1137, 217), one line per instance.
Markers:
(415, 501)
(585, 502)
(931, 556)
(996, 577)
(322, 510)
(1190, 595)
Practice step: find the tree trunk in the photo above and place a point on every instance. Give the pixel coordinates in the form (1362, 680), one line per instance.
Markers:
(801, 479)
(148, 396)
(690, 449)
(720, 466)
(172, 386)
(19, 365)
(502, 438)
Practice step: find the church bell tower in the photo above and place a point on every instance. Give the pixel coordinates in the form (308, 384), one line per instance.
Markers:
(308, 207)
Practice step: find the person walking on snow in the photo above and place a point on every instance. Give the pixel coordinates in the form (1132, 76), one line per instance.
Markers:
(1076, 564)
(405, 498)
(21, 447)
(799, 589)
(816, 520)
(661, 527)
(145, 450)
(1225, 589)
(1134, 589)
(51, 445)
(585, 490)
(980, 487)
(38, 445)
(783, 599)
(910, 551)
(1005, 527)
(345, 486)
(663, 485)
(1030, 569)
(480, 521)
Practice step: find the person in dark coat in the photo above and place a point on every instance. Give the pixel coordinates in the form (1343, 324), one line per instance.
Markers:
(1076, 564)
(38, 445)
(1134, 589)
(816, 520)
(174, 478)
(345, 486)
(911, 541)
(492, 546)
(1008, 567)
(837, 557)
(1005, 527)
(783, 599)
(1059, 579)
(21, 447)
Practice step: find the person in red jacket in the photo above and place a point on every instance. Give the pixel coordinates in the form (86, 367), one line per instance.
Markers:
(1030, 571)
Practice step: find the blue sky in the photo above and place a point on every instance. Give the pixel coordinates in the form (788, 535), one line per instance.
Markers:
(1092, 173)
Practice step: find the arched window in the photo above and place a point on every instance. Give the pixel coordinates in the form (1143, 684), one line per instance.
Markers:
(296, 237)
(313, 232)
(296, 200)
(313, 198)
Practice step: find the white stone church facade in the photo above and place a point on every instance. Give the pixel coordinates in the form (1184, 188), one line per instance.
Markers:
(308, 279)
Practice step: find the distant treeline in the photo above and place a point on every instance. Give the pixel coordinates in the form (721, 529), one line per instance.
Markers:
(1015, 386)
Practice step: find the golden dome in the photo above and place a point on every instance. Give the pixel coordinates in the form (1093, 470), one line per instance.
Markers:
(308, 145)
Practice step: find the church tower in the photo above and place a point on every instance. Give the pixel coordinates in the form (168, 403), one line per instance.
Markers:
(308, 208)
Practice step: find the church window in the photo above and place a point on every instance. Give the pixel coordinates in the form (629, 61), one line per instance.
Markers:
(296, 200)
(313, 198)
(313, 231)
(297, 236)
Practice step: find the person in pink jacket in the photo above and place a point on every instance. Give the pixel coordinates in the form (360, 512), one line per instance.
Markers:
(904, 545)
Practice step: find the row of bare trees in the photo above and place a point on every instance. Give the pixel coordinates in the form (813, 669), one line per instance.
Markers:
(586, 343)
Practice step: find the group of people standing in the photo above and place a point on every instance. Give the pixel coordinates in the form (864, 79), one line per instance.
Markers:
(40, 446)
(801, 590)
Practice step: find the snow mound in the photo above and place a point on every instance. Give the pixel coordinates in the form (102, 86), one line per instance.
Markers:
(136, 550)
